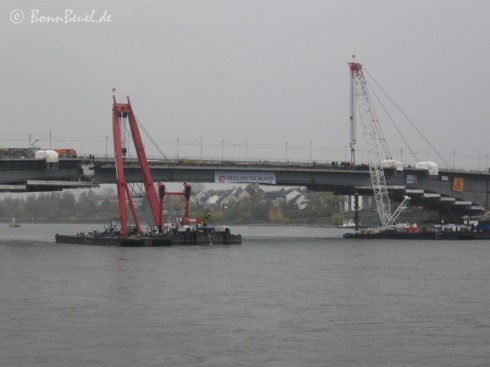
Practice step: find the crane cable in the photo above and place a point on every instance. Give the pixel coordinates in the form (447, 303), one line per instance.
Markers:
(394, 124)
(148, 136)
(151, 139)
(408, 119)
(377, 126)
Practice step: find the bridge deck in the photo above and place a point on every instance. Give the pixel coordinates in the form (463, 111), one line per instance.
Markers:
(338, 178)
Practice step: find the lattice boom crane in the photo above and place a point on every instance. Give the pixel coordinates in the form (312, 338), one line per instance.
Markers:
(361, 106)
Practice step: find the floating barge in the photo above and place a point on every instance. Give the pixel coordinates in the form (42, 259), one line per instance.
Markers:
(123, 241)
(435, 235)
(192, 237)
(466, 231)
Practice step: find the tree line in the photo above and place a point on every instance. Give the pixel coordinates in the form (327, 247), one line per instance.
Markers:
(91, 207)
(57, 207)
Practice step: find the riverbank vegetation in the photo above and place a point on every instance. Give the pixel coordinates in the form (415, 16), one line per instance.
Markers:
(237, 206)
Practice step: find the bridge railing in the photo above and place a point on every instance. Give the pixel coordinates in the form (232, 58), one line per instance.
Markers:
(212, 161)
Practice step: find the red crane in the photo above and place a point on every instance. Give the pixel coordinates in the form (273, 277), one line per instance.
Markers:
(121, 112)
(186, 194)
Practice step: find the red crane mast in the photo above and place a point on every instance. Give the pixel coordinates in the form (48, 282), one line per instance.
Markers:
(121, 112)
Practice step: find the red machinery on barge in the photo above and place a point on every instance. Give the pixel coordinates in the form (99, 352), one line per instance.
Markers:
(179, 232)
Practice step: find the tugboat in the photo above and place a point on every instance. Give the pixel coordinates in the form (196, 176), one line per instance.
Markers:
(13, 223)
(349, 224)
(182, 232)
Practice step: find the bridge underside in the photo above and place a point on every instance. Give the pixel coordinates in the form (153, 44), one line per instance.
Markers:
(46, 186)
(448, 191)
(36, 175)
(431, 191)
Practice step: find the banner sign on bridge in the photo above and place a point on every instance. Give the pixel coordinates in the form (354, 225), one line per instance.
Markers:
(245, 177)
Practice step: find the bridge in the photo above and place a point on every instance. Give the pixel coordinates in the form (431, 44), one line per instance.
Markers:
(22, 174)
(452, 190)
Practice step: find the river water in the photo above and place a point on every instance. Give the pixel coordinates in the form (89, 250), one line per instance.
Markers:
(288, 296)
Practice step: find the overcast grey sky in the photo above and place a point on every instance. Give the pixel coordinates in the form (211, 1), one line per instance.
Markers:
(247, 76)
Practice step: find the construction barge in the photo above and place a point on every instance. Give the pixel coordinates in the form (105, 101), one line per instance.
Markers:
(423, 235)
(182, 231)
(195, 236)
(468, 229)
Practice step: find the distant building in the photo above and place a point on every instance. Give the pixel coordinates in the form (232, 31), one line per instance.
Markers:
(198, 198)
(276, 198)
(227, 200)
(236, 195)
(298, 199)
(213, 200)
